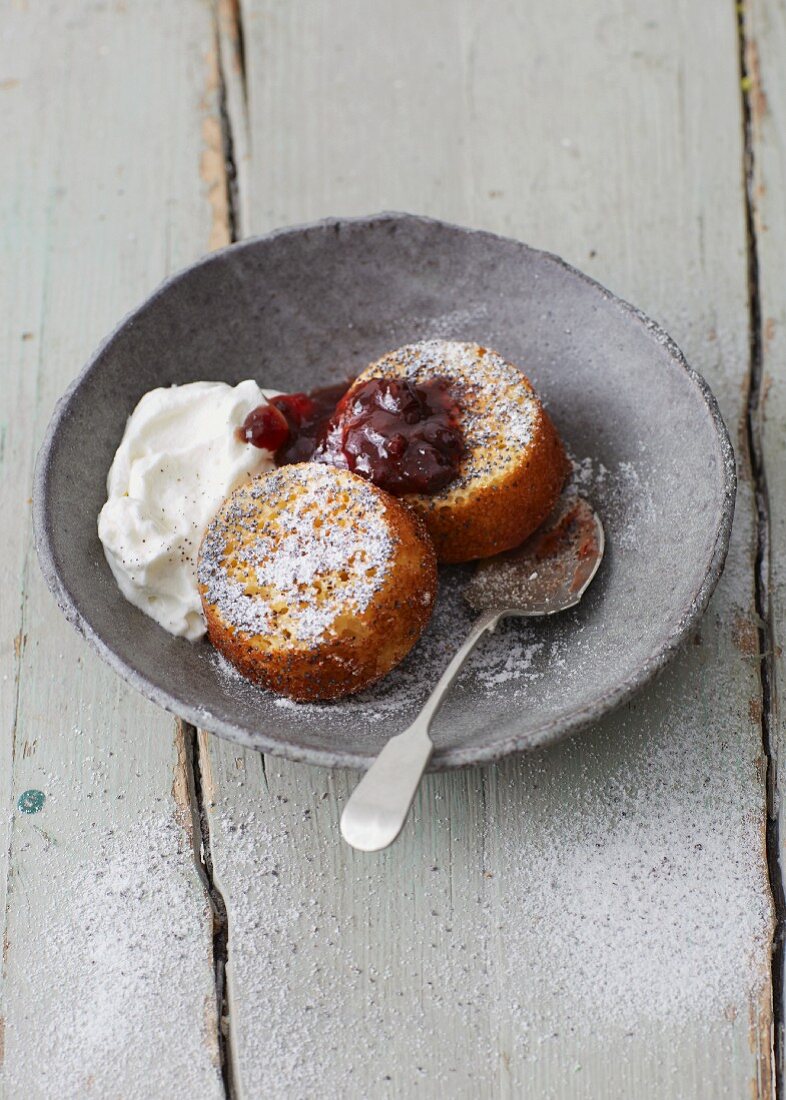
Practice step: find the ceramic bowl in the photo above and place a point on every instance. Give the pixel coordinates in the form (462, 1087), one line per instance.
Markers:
(308, 306)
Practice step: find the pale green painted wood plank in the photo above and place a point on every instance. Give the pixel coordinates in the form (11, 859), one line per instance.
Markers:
(765, 25)
(595, 920)
(108, 984)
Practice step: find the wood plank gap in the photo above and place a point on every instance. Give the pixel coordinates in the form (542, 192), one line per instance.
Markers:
(231, 11)
(232, 106)
(749, 90)
(197, 800)
(231, 100)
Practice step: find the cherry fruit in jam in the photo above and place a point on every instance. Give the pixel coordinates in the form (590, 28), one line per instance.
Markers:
(265, 427)
(298, 408)
(403, 436)
(307, 415)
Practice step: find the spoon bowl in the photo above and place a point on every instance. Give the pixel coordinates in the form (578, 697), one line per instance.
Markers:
(549, 572)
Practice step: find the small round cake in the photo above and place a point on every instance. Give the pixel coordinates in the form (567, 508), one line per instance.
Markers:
(314, 582)
(513, 464)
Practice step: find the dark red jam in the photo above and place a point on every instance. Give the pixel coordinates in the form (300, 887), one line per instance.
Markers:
(265, 427)
(291, 424)
(403, 436)
(307, 416)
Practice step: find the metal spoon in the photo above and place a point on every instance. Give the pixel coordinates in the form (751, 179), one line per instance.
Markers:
(550, 572)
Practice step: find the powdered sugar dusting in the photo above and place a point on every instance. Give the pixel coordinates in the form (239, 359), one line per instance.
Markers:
(505, 658)
(643, 911)
(446, 325)
(624, 903)
(120, 924)
(631, 903)
(316, 553)
(518, 655)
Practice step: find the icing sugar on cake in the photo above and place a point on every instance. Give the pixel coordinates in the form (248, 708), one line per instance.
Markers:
(522, 657)
(317, 554)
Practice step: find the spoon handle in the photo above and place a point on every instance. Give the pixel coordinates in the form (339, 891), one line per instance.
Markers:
(378, 807)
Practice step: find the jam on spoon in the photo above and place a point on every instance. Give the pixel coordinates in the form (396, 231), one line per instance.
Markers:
(403, 436)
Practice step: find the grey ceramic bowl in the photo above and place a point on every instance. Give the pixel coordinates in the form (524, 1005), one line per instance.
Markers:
(307, 306)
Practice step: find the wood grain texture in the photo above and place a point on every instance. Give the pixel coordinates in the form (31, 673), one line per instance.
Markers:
(765, 34)
(593, 920)
(108, 973)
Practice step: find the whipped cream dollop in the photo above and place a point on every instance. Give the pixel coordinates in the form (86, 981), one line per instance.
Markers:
(179, 458)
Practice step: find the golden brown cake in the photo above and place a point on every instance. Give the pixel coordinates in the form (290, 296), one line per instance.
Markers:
(314, 582)
(514, 464)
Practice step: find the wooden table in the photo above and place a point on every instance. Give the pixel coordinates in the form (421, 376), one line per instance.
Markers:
(181, 917)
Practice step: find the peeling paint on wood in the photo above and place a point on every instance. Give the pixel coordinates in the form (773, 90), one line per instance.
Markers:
(229, 16)
(761, 1045)
(746, 636)
(755, 88)
(233, 81)
(208, 785)
(180, 787)
(212, 163)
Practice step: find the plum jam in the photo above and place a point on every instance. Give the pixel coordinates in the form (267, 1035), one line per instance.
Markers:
(402, 436)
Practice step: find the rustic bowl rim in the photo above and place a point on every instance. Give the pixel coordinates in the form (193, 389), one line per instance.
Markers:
(445, 758)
